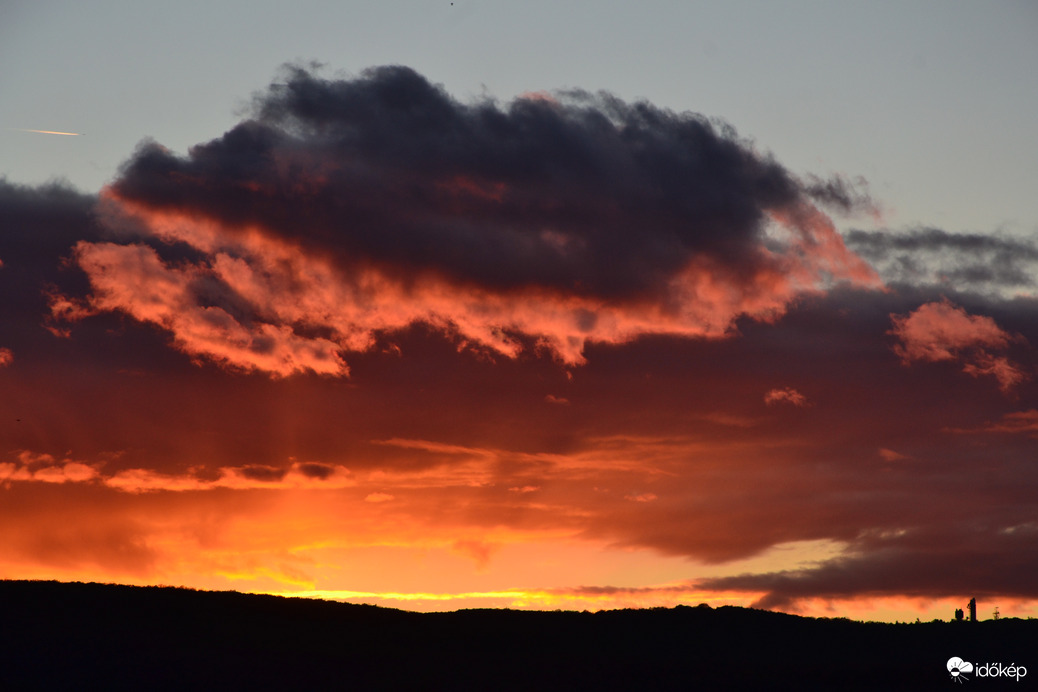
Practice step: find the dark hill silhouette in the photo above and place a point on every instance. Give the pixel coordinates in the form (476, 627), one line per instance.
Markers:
(59, 636)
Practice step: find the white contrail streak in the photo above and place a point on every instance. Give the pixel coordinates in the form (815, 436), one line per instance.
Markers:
(49, 132)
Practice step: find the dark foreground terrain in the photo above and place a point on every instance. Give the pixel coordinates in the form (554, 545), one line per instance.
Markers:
(56, 636)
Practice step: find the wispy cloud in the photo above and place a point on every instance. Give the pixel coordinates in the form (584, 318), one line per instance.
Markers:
(787, 395)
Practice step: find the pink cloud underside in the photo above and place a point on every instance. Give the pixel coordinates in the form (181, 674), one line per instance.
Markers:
(942, 331)
(1001, 368)
(891, 455)
(133, 279)
(787, 396)
(288, 295)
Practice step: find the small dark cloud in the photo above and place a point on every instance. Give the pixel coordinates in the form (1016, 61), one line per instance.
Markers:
(840, 194)
(962, 261)
(312, 469)
(267, 474)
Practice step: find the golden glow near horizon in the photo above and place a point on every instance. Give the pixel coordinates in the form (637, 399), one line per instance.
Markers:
(521, 599)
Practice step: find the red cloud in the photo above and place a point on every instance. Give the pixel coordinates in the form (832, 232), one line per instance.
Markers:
(891, 455)
(940, 331)
(787, 395)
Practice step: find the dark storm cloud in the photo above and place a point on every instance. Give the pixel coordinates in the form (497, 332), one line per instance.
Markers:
(586, 193)
(42, 221)
(964, 261)
(349, 208)
(38, 228)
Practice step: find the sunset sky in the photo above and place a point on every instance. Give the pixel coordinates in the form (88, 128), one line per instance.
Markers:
(543, 305)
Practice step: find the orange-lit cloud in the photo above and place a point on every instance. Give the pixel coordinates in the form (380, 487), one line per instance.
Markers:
(40, 467)
(298, 475)
(44, 468)
(134, 279)
(642, 497)
(272, 297)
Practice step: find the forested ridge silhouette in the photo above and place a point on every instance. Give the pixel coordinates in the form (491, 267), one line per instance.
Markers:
(77, 636)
